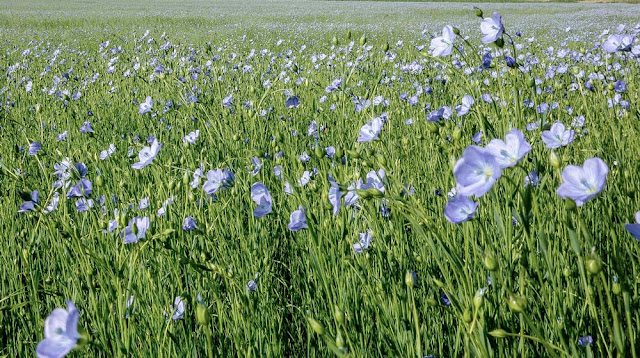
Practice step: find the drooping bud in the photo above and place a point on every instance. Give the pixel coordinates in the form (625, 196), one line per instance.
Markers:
(478, 11)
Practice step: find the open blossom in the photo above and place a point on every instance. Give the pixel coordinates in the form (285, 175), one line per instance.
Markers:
(147, 155)
(557, 136)
(218, 179)
(371, 130)
(136, 230)
(261, 196)
(443, 45)
(476, 171)
(297, 221)
(60, 333)
(510, 151)
(492, 28)
(634, 229)
(363, 243)
(617, 43)
(146, 106)
(335, 195)
(583, 183)
(463, 109)
(460, 209)
(192, 137)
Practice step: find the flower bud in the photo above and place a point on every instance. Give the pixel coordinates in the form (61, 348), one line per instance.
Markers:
(457, 133)
(382, 160)
(569, 204)
(478, 12)
(554, 160)
(466, 316)
(500, 42)
(364, 194)
(316, 326)
(363, 40)
(99, 181)
(456, 30)
(477, 299)
(490, 262)
(594, 266)
(385, 47)
(348, 34)
(411, 279)
(438, 283)
(202, 314)
(499, 333)
(616, 288)
(338, 314)
(353, 153)
(340, 340)
(517, 303)
(375, 193)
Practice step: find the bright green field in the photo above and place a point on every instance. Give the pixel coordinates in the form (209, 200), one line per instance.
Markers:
(556, 274)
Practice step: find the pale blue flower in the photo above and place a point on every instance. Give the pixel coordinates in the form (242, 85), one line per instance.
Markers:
(261, 196)
(60, 333)
(363, 243)
(146, 106)
(583, 183)
(443, 45)
(476, 171)
(510, 151)
(460, 209)
(371, 130)
(297, 220)
(557, 136)
(492, 28)
(147, 155)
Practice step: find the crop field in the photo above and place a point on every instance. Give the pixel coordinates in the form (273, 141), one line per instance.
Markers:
(319, 179)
